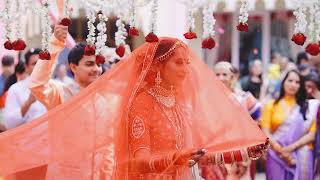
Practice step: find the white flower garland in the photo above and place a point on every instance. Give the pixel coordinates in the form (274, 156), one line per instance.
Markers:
(121, 34)
(208, 22)
(102, 36)
(300, 14)
(311, 27)
(21, 9)
(91, 36)
(132, 13)
(7, 21)
(244, 9)
(46, 26)
(191, 19)
(153, 19)
(317, 21)
(67, 8)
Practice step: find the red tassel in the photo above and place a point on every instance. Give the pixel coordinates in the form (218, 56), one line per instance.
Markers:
(208, 43)
(190, 35)
(44, 55)
(19, 45)
(120, 50)
(151, 37)
(90, 50)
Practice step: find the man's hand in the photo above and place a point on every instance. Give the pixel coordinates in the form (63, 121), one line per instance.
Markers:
(61, 32)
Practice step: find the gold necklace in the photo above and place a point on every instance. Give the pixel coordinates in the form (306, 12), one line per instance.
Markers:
(167, 101)
(163, 96)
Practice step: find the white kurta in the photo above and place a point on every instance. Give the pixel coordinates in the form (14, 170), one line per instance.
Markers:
(17, 96)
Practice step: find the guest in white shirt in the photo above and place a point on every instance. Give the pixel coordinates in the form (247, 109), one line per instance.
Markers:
(21, 106)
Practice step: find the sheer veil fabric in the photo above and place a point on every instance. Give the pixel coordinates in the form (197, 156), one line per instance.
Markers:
(90, 136)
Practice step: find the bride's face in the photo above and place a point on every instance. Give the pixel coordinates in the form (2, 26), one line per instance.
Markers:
(175, 69)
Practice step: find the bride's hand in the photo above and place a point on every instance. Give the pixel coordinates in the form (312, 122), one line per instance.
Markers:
(189, 158)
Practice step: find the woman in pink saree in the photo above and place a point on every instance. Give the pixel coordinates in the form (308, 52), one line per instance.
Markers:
(153, 116)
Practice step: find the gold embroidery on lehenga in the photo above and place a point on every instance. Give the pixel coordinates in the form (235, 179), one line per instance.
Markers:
(138, 127)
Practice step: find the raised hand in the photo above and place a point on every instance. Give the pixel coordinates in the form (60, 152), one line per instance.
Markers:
(61, 32)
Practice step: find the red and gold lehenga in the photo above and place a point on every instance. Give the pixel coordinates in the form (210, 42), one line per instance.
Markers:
(96, 134)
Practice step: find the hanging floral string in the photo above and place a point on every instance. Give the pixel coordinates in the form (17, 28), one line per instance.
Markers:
(66, 21)
(101, 38)
(300, 26)
(133, 31)
(46, 31)
(19, 44)
(90, 48)
(317, 21)
(8, 31)
(152, 37)
(313, 47)
(191, 24)
(243, 18)
(208, 28)
(120, 37)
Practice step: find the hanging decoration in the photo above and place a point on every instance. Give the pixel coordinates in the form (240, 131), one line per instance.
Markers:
(19, 44)
(101, 38)
(66, 21)
(191, 24)
(313, 46)
(209, 21)
(8, 30)
(152, 37)
(90, 48)
(46, 31)
(133, 31)
(120, 36)
(300, 26)
(243, 18)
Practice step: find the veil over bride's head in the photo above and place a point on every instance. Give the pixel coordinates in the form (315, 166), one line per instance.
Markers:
(88, 134)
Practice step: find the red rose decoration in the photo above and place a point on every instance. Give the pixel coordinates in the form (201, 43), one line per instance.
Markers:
(19, 45)
(208, 43)
(66, 22)
(133, 31)
(190, 35)
(243, 27)
(44, 55)
(120, 51)
(90, 50)
(100, 59)
(8, 45)
(299, 38)
(151, 37)
(313, 49)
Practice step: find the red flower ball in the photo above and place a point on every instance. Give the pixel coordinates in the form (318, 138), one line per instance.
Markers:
(90, 50)
(313, 49)
(120, 50)
(299, 38)
(44, 55)
(19, 45)
(100, 59)
(66, 22)
(208, 43)
(133, 31)
(190, 35)
(243, 27)
(151, 37)
(8, 45)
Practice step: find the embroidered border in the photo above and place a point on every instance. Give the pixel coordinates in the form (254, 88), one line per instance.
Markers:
(138, 127)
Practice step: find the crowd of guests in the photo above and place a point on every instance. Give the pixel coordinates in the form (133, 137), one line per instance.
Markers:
(285, 104)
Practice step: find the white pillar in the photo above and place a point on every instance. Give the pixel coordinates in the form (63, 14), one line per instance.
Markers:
(266, 36)
(235, 39)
